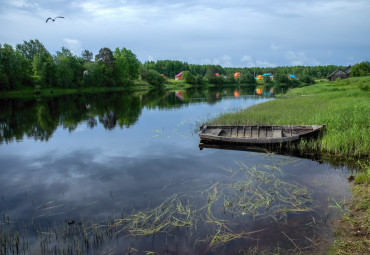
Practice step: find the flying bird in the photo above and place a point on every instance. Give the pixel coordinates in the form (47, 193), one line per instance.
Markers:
(59, 17)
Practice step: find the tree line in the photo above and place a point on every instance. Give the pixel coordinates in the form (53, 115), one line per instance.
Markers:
(30, 64)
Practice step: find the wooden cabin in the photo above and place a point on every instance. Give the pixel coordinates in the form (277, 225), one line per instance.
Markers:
(339, 73)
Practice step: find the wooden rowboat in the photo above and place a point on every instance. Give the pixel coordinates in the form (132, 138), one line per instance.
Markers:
(257, 134)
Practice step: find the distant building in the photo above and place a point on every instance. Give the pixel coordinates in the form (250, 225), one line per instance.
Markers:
(292, 77)
(339, 73)
(236, 75)
(178, 77)
(259, 77)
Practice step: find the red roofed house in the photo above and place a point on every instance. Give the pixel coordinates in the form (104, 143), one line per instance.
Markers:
(178, 77)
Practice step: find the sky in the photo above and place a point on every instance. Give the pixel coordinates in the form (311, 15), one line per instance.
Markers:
(232, 33)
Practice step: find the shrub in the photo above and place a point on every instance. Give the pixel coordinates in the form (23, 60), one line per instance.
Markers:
(188, 77)
(307, 79)
(361, 69)
(152, 77)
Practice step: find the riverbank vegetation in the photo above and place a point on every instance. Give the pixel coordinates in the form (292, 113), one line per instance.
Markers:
(344, 107)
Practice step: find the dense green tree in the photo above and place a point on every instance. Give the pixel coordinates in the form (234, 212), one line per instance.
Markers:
(126, 66)
(307, 79)
(188, 77)
(14, 70)
(48, 73)
(105, 67)
(69, 69)
(29, 49)
(105, 56)
(152, 77)
(281, 78)
(211, 76)
(361, 69)
(199, 79)
(246, 78)
(87, 56)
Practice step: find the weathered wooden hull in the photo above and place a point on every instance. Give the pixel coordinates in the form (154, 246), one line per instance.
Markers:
(257, 134)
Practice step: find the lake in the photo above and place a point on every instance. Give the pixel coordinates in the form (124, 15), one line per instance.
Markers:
(122, 173)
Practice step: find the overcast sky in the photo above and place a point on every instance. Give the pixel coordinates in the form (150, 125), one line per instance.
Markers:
(231, 33)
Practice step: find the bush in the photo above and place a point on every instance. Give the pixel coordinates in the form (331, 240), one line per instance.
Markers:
(188, 77)
(364, 86)
(152, 77)
(361, 69)
(307, 79)
(199, 79)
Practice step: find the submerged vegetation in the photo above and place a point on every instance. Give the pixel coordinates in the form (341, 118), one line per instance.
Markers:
(247, 194)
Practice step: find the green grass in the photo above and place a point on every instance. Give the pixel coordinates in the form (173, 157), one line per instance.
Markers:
(341, 105)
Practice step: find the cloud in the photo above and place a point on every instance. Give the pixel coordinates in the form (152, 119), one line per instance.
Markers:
(74, 45)
(276, 46)
(264, 63)
(232, 33)
(248, 60)
(300, 58)
(224, 61)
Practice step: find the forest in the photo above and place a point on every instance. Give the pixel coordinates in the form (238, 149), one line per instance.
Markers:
(31, 65)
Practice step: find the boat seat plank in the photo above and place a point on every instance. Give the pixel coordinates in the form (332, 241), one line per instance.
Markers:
(216, 131)
(277, 133)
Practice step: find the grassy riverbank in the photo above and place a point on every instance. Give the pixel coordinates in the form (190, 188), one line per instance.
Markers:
(345, 109)
(342, 106)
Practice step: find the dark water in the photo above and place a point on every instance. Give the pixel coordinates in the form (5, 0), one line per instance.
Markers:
(121, 173)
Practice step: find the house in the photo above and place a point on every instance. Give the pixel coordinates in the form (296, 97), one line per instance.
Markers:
(259, 77)
(292, 77)
(236, 75)
(339, 73)
(178, 77)
(269, 75)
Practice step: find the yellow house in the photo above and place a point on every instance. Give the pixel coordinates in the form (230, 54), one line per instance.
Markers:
(259, 77)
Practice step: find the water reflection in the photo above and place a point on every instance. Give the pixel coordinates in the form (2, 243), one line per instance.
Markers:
(107, 164)
(39, 118)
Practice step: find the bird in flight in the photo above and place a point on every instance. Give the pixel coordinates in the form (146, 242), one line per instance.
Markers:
(59, 17)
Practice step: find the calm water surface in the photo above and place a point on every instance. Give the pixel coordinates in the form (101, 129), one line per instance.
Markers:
(123, 174)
